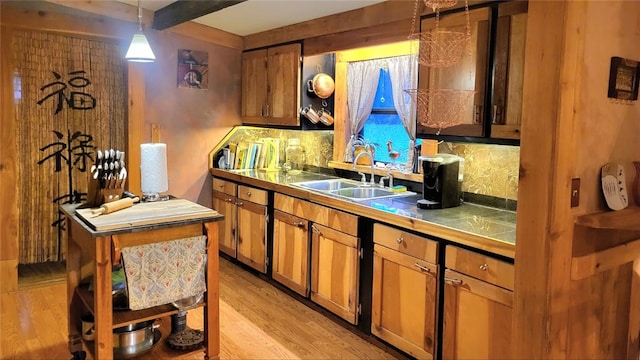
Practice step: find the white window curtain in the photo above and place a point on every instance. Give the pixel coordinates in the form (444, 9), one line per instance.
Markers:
(362, 83)
(403, 71)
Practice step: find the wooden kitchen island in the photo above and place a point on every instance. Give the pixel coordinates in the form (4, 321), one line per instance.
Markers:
(93, 246)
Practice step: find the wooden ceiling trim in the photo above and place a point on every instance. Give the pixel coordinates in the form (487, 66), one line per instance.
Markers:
(112, 9)
(208, 34)
(182, 11)
(374, 15)
(381, 14)
(376, 35)
(63, 23)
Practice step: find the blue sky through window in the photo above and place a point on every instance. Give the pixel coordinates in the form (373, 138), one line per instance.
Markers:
(384, 123)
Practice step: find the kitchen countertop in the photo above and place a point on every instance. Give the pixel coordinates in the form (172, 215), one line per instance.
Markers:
(478, 226)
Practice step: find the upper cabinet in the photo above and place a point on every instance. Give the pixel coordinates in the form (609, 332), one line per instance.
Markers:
(492, 68)
(506, 112)
(271, 85)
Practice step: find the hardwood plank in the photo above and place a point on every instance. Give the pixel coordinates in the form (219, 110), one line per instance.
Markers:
(252, 311)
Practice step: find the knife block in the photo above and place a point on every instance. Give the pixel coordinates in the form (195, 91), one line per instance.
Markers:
(97, 195)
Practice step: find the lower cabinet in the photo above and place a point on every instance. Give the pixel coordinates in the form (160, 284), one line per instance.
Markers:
(243, 235)
(335, 271)
(316, 253)
(478, 306)
(224, 202)
(291, 252)
(252, 227)
(404, 295)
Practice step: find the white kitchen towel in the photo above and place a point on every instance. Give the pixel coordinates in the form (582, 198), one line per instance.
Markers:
(164, 272)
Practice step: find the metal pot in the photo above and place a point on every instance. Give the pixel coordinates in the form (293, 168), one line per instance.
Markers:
(322, 85)
(134, 339)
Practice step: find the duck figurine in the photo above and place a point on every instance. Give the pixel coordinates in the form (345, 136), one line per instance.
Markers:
(393, 155)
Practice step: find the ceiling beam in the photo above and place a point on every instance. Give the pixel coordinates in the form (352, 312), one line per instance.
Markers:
(185, 10)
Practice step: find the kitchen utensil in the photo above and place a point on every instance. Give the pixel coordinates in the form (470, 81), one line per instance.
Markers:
(114, 206)
(134, 339)
(310, 114)
(325, 117)
(322, 85)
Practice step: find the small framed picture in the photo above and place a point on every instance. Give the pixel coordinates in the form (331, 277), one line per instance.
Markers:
(193, 69)
(623, 79)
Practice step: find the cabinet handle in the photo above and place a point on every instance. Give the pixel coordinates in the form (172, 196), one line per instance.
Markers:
(399, 240)
(240, 203)
(315, 229)
(299, 224)
(423, 268)
(484, 267)
(248, 193)
(228, 200)
(267, 114)
(453, 281)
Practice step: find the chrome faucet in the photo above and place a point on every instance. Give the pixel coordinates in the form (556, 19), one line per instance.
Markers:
(389, 177)
(364, 177)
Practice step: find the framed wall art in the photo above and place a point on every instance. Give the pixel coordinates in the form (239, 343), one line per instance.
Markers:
(623, 79)
(193, 69)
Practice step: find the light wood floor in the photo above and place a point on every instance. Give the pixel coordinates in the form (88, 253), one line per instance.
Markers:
(257, 321)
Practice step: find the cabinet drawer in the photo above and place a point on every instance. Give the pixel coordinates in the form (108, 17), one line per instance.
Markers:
(224, 186)
(480, 266)
(406, 243)
(332, 218)
(254, 195)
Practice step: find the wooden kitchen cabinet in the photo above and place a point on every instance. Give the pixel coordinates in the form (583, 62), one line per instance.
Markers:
(271, 85)
(509, 70)
(335, 264)
(252, 227)
(469, 74)
(224, 201)
(244, 232)
(478, 306)
(404, 294)
(331, 276)
(291, 252)
(494, 111)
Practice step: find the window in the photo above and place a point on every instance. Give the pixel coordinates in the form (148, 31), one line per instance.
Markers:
(384, 125)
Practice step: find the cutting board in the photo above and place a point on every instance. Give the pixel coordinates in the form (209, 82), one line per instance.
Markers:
(146, 213)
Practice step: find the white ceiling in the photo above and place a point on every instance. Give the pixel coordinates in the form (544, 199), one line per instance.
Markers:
(254, 16)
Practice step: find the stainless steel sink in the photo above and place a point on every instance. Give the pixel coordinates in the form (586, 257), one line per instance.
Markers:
(363, 192)
(349, 189)
(327, 185)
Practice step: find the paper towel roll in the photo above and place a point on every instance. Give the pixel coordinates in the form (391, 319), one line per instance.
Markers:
(153, 168)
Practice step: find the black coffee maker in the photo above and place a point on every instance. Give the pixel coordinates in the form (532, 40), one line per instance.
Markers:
(440, 186)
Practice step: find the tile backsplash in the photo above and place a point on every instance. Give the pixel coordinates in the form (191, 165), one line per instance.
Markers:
(490, 170)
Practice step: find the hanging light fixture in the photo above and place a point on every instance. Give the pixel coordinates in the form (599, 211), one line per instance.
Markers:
(139, 49)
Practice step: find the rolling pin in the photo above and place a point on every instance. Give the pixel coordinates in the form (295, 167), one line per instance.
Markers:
(114, 206)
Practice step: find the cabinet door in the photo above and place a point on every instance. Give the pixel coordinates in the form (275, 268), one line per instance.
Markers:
(283, 85)
(252, 227)
(509, 70)
(470, 73)
(226, 205)
(335, 271)
(477, 319)
(254, 86)
(291, 252)
(404, 302)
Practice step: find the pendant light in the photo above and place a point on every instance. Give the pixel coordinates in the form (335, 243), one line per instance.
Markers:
(139, 49)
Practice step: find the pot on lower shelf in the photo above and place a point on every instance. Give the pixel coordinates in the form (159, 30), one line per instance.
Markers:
(134, 339)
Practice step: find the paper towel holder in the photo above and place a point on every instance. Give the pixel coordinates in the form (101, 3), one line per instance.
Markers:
(153, 172)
